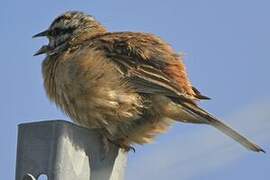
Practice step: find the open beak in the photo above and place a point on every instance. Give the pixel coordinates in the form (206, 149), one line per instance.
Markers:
(42, 34)
(44, 49)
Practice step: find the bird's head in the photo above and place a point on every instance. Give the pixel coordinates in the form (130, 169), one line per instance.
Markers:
(69, 26)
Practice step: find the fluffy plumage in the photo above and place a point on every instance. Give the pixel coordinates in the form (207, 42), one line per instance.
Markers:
(130, 85)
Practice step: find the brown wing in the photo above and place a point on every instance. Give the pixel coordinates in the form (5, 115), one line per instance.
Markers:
(150, 66)
(148, 63)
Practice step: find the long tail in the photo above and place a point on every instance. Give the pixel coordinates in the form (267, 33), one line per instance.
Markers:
(197, 115)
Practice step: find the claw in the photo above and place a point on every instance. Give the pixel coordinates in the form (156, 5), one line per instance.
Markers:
(128, 148)
(123, 146)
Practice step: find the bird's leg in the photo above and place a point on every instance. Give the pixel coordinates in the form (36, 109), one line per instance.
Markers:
(127, 148)
(107, 145)
(120, 143)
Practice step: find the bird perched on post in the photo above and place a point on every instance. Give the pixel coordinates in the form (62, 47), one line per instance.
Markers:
(130, 85)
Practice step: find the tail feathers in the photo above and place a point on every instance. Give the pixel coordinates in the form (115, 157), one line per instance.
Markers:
(235, 135)
(207, 118)
(199, 95)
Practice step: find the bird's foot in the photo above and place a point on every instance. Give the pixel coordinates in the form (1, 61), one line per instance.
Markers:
(127, 148)
(122, 145)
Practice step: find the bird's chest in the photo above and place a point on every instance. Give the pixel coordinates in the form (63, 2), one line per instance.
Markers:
(89, 90)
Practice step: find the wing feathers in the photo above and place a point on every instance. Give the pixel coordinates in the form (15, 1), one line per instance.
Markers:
(151, 66)
(141, 58)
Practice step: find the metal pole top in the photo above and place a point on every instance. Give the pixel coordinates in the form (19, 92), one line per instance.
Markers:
(64, 151)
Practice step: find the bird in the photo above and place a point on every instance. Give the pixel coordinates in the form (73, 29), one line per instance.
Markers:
(132, 86)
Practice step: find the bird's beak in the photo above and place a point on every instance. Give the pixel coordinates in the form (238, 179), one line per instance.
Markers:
(44, 49)
(42, 34)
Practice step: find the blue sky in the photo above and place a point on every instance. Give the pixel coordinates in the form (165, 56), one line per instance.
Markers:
(226, 47)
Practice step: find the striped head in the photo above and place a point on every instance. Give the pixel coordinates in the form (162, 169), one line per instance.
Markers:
(67, 26)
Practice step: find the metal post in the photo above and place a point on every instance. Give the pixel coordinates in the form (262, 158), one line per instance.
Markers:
(64, 151)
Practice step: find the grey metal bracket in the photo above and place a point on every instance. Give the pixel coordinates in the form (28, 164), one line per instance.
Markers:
(64, 151)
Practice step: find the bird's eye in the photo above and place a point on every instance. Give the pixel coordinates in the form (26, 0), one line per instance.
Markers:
(55, 32)
(69, 30)
(59, 31)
